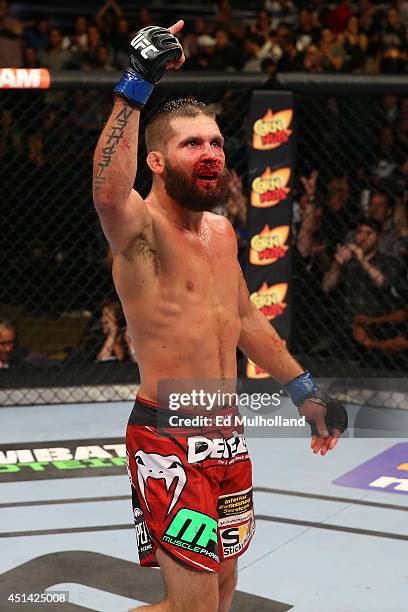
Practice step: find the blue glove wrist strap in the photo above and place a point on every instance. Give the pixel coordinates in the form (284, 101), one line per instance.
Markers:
(301, 386)
(134, 87)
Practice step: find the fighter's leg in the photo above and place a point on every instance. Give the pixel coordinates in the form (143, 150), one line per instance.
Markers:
(227, 581)
(186, 590)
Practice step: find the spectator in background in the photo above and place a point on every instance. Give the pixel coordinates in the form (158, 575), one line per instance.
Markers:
(12, 355)
(381, 210)
(255, 51)
(385, 158)
(120, 43)
(338, 217)
(290, 59)
(37, 37)
(269, 67)
(199, 28)
(224, 19)
(102, 59)
(384, 335)
(338, 16)
(226, 52)
(144, 18)
(106, 19)
(402, 8)
(369, 18)
(106, 339)
(30, 58)
(393, 35)
(55, 57)
(312, 59)
(94, 41)
(355, 44)
(11, 36)
(306, 32)
(360, 277)
(206, 58)
(281, 11)
(333, 54)
(78, 41)
(262, 26)
(393, 61)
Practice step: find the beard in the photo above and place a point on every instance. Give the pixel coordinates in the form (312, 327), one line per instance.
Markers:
(182, 189)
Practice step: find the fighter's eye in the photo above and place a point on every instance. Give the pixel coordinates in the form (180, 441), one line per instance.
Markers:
(174, 465)
(192, 143)
(216, 143)
(139, 460)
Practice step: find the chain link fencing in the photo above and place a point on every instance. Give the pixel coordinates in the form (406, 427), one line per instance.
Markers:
(56, 269)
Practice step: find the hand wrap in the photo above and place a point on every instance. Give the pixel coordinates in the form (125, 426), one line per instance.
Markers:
(322, 412)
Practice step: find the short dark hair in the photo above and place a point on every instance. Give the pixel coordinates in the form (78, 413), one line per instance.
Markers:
(373, 223)
(158, 129)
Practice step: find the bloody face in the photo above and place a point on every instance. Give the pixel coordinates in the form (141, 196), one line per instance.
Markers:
(195, 193)
(196, 177)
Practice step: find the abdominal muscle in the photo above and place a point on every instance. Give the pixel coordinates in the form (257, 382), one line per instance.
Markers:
(181, 352)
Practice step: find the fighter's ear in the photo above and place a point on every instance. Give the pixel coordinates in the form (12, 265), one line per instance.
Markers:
(155, 161)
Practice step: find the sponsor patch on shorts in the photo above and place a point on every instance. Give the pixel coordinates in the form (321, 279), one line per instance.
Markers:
(143, 538)
(234, 539)
(193, 531)
(236, 503)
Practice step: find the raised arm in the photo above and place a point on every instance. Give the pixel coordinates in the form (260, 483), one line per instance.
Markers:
(122, 211)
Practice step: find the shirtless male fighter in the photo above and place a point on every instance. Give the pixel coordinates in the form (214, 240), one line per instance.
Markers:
(187, 308)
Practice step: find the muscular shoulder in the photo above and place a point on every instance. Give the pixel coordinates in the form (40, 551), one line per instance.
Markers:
(220, 225)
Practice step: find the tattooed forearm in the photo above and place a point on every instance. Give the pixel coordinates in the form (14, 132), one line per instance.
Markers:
(113, 138)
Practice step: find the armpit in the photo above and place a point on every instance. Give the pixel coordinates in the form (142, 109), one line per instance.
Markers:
(141, 247)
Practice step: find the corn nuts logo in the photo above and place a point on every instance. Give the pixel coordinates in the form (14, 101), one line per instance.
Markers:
(270, 300)
(270, 188)
(272, 130)
(269, 245)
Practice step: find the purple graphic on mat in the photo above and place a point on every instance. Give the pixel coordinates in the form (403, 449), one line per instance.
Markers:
(387, 472)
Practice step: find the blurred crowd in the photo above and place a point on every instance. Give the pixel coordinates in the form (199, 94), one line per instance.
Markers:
(361, 37)
(350, 239)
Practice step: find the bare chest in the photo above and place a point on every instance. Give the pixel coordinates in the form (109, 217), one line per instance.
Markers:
(201, 268)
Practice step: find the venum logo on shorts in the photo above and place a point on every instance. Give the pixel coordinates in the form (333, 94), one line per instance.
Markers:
(235, 539)
(200, 447)
(195, 532)
(160, 467)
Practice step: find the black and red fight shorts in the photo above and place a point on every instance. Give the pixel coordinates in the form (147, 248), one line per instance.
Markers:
(191, 488)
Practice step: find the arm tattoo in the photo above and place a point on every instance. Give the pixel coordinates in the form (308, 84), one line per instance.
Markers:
(115, 135)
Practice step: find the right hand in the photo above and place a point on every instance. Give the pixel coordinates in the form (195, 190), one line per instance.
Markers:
(154, 49)
(343, 254)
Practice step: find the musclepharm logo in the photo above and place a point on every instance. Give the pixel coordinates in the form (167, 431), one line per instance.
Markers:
(140, 42)
(160, 467)
(193, 531)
